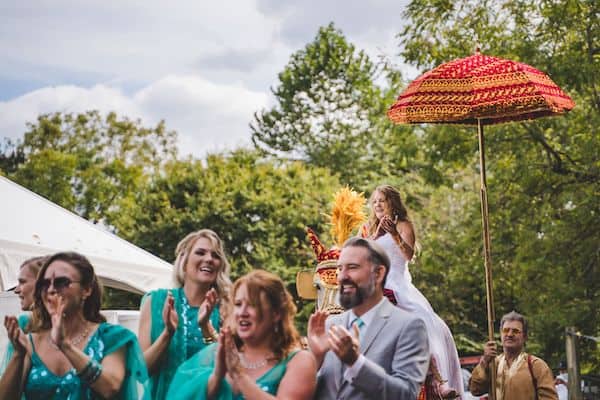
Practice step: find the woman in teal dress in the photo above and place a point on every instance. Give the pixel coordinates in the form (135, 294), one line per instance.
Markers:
(71, 352)
(258, 354)
(177, 323)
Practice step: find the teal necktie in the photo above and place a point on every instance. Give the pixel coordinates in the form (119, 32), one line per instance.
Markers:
(359, 322)
(361, 328)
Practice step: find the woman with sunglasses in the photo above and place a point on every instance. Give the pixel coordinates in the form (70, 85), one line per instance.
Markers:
(177, 323)
(71, 352)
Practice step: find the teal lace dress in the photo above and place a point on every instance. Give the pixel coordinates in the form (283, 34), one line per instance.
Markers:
(191, 379)
(42, 384)
(186, 341)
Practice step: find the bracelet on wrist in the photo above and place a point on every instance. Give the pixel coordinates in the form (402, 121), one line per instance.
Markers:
(210, 338)
(91, 372)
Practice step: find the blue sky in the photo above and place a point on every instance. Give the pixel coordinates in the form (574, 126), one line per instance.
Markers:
(203, 67)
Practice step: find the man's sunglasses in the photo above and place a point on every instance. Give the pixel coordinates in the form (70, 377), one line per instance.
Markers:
(59, 283)
(514, 331)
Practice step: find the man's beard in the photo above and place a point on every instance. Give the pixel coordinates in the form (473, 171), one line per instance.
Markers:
(361, 293)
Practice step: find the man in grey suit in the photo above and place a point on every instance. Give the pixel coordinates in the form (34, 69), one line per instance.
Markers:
(373, 350)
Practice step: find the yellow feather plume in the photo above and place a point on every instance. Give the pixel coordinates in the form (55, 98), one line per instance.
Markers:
(347, 214)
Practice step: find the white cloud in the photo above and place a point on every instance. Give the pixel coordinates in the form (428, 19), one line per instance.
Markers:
(207, 116)
(129, 39)
(203, 67)
(15, 113)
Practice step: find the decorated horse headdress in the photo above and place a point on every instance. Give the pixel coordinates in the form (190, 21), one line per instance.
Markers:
(347, 214)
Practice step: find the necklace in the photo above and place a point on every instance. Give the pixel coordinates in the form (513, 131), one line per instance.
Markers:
(74, 341)
(253, 365)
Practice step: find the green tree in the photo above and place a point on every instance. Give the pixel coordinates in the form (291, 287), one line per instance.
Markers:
(329, 111)
(259, 208)
(88, 163)
(10, 156)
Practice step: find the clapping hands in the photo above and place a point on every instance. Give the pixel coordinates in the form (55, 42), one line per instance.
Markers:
(206, 308)
(56, 309)
(317, 337)
(386, 225)
(170, 317)
(228, 359)
(17, 338)
(345, 344)
(232, 356)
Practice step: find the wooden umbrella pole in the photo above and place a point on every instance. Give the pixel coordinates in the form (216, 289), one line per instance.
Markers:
(486, 253)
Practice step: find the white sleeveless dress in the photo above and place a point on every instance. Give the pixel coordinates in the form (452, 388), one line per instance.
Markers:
(409, 298)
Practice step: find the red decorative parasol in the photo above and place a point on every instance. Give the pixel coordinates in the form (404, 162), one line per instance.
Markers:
(480, 90)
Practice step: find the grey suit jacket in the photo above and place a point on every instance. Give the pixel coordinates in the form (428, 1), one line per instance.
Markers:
(396, 349)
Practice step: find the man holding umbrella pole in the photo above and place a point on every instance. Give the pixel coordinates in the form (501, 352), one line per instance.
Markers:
(519, 376)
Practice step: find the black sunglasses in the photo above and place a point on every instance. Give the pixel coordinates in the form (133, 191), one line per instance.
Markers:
(59, 283)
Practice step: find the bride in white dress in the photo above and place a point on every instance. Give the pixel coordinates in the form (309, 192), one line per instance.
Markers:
(390, 227)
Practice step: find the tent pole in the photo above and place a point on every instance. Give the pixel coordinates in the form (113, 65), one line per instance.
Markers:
(486, 253)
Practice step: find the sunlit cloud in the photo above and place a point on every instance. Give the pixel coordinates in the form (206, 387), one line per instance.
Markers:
(207, 116)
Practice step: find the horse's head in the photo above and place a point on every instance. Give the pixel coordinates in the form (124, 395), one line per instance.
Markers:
(321, 284)
(325, 280)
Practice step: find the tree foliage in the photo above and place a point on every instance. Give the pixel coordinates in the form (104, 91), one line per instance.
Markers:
(259, 208)
(88, 163)
(329, 110)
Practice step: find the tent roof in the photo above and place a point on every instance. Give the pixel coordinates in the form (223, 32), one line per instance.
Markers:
(33, 226)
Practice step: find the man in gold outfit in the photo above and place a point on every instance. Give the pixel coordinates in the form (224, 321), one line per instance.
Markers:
(519, 376)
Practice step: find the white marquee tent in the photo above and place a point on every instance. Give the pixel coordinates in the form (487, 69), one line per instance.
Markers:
(33, 226)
